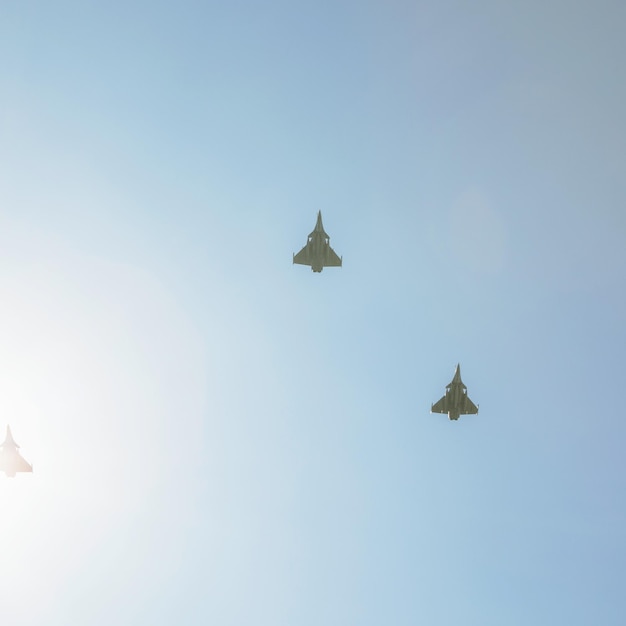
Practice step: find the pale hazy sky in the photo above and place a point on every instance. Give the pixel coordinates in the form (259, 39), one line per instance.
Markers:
(220, 437)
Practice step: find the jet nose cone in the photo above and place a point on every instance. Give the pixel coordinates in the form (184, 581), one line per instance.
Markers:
(8, 440)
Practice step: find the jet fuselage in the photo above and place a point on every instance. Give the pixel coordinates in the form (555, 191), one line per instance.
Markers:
(455, 402)
(11, 461)
(317, 252)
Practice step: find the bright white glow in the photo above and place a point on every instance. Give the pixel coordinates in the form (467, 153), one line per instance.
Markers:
(104, 385)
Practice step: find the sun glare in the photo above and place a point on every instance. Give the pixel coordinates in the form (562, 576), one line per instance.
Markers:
(88, 389)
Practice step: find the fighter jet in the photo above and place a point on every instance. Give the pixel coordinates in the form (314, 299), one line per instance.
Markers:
(11, 461)
(456, 402)
(317, 253)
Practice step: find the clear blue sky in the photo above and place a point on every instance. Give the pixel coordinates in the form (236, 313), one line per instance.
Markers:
(220, 437)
